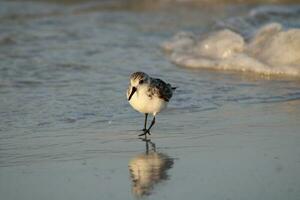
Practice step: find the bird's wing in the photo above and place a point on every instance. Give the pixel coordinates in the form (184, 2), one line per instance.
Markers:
(162, 89)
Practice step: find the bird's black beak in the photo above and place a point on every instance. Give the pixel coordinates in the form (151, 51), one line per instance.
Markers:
(132, 92)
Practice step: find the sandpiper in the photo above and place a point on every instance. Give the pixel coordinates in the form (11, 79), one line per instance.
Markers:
(148, 95)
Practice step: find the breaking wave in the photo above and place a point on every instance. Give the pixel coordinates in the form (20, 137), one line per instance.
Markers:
(271, 50)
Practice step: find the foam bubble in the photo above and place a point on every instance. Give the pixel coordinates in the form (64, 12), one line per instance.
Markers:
(222, 44)
(272, 50)
(182, 41)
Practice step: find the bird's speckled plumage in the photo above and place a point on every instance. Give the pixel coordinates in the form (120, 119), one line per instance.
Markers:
(138, 75)
(152, 94)
(161, 89)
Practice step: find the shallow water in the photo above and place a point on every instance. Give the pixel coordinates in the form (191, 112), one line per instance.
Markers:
(67, 131)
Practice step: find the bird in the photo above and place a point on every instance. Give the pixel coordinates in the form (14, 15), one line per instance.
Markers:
(148, 95)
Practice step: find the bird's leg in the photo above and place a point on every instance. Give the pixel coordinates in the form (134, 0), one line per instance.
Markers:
(152, 123)
(148, 130)
(145, 123)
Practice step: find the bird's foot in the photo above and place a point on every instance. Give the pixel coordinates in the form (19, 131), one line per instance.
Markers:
(143, 130)
(147, 131)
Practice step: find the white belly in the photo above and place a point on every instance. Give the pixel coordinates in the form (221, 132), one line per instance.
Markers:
(145, 104)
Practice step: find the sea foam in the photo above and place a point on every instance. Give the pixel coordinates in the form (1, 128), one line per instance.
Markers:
(272, 50)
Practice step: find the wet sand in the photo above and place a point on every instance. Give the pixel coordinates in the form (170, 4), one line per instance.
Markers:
(241, 157)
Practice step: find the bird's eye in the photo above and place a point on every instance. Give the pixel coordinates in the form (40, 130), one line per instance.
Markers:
(141, 82)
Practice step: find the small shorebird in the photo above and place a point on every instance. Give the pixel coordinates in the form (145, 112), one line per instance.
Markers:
(148, 95)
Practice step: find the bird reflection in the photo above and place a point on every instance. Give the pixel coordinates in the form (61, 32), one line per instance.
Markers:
(148, 169)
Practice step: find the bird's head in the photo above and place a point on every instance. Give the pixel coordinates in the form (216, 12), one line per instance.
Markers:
(137, 79)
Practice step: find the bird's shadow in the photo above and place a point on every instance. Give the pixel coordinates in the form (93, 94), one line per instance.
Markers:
(148, 169)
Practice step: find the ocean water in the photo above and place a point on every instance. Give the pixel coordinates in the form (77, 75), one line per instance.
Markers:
(68, 132)
(272, 49)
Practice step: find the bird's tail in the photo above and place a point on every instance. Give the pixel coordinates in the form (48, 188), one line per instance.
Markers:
(174, 88)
